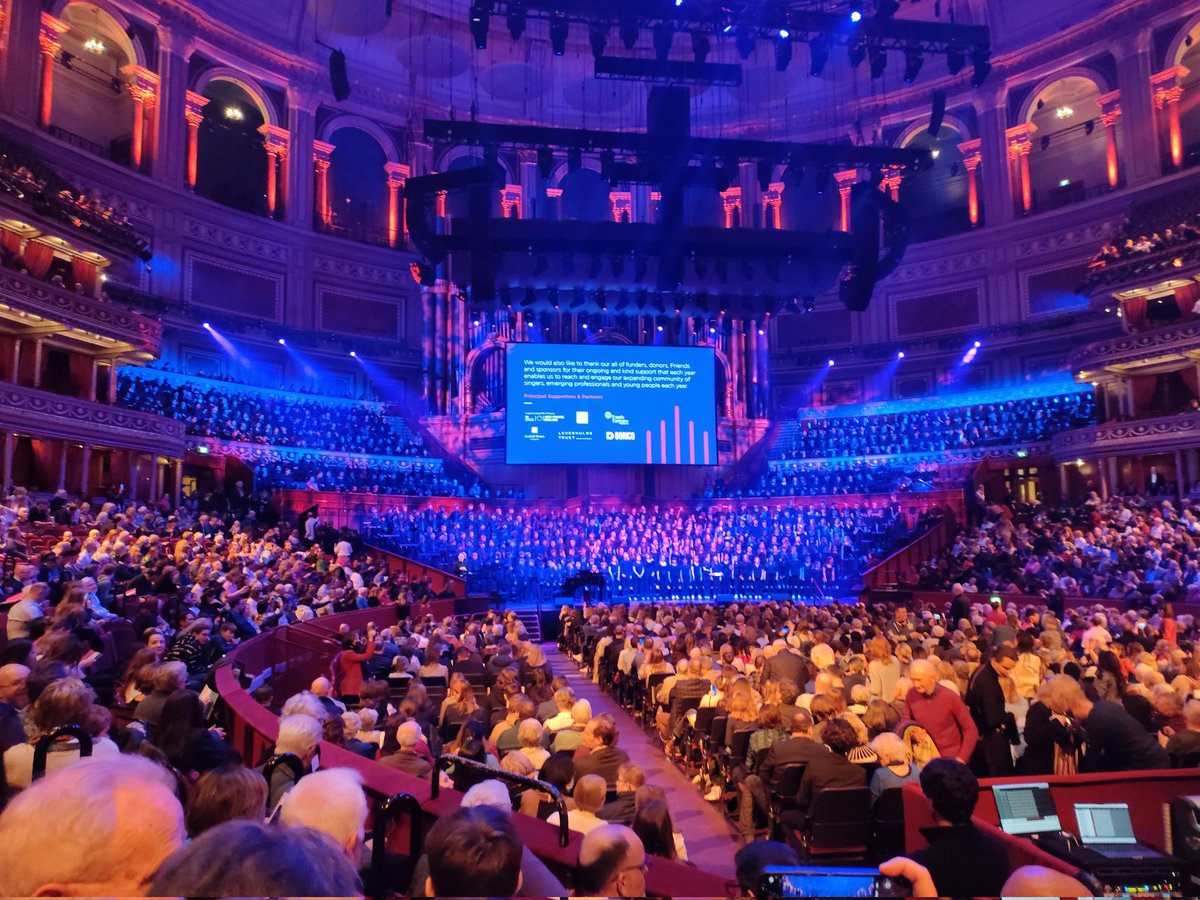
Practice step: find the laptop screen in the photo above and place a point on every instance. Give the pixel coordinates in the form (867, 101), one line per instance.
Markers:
(1026, 808)
(1104, 823)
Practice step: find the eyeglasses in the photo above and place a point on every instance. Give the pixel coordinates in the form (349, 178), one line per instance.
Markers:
(644, 866)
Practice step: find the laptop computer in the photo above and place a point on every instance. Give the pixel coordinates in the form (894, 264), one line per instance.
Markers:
(1107, 829)
(1026, 809)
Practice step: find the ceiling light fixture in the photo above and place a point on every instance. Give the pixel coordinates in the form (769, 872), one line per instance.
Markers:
(1063, 112)
(94, 45)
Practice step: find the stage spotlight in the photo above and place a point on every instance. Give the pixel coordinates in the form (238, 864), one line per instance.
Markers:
(856, 51)
(900, 355)
(480, 21)
(761, 332)
(744, 41)
(810, 303)
(711, 330)
(784, 33)
(878, 62)
(664, 35)
(829, 362)
(282, 342)
(913, 60)
(559, 29)
(475, 323)
(660, 328)
(977, 345)
(700, 46)
(982, 65)
(856, 14)
(515, 19)
(818, 51)
(628, 32)
(355, 355)
(584, 326)
(598, 38)
(783, 52)
(206, 326)
(955, 60)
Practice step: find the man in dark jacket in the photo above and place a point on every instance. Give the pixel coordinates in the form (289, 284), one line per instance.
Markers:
(985, 698)
(963, 861)
(827, 770)
(622, 810)
(756, 788)
(1116, 742)
(599, 754)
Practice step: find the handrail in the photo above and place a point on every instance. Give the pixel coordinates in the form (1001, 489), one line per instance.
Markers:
(390, 809)
(885, 571)
(42, 750)
(447, 760)
(253, 729)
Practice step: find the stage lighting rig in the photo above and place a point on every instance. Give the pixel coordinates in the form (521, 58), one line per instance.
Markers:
(818, 51)
(560, 27)
(628, 31)
(598, 38)
(480, 22)
(783, 52)
(913, 61)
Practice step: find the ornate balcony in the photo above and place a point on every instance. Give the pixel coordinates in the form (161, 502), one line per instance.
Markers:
(1175, 343)
(31, 306)
(1138, 436)
(28, 410)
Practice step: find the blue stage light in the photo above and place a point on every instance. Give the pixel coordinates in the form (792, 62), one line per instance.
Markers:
(282, 342)
(900, 355)
(355, 355)
(856, 16)
(831, 362)
(784, 33)
(206, 326)
(978, 345)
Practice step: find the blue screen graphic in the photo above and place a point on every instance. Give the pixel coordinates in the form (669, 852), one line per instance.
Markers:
(587, 403)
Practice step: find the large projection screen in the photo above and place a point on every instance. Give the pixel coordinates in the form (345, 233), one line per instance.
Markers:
(613, 403)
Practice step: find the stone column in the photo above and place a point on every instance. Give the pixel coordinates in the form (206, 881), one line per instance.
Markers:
(298, 206)
(112, 382)
(37, 363)
(529, 183)
(16, 361)
(996, 184)
(893, 176)
(1135, 65)
(63, 447)
(132, 486)
(193, 114)
(397, 173)
(731, 203)
(1110, 113)
(177, 481)
(48, 41)
(321, 156)
(1168, 91)
(1019, 147)
(174, 136)
(972, 156)
(277, 151)
(92, 385)
(85, 471)
(144, 90)
(20, 60)
(773, 206)
(845, 180)
(10, 447)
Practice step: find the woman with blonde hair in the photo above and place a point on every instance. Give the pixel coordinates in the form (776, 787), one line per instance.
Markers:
(883, 668)
(460, 703)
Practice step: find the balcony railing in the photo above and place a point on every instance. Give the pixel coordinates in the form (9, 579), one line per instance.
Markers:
(44, 414)
(102, 317)
(1152, 435)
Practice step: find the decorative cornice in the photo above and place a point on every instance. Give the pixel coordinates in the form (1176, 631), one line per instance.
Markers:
(941, 267)
(357, 271)
(248, 245)
(1092, 233)
(1139, 436)
(44, 414)
(79, 311)
(1131, 348)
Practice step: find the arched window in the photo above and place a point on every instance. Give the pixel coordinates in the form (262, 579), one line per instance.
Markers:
(1068, 161)
(358, 186)
(1189, 108)
(92, 107)
(585, 196)
(936, 197)
(231, 161)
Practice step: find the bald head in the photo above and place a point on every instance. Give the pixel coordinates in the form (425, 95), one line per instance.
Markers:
(924, 675)
(321, 687)
(13, 679)
(99, 827)
(610, 863)
(1039, 881)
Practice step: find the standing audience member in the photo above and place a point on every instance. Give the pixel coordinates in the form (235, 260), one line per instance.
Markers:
(940, 712)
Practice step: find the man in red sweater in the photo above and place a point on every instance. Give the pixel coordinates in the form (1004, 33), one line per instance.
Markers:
(941, 712)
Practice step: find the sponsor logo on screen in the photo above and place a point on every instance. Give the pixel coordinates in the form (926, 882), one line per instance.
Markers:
(619, 436)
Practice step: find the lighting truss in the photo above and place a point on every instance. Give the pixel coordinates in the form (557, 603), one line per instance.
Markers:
(804, 20)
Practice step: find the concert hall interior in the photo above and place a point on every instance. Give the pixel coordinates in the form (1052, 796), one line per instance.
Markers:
(675, 448)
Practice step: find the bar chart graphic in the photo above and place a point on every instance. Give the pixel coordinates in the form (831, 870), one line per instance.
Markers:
(676, 442)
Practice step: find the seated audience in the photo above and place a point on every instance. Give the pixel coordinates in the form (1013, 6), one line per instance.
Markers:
(612, 863)
(476, 846)
(222, 795)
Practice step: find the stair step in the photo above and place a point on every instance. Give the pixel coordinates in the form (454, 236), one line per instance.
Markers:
(533, 625)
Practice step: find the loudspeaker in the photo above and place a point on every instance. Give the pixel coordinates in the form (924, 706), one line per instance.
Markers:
(337, 75)
(669, 113)
(939, 113)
